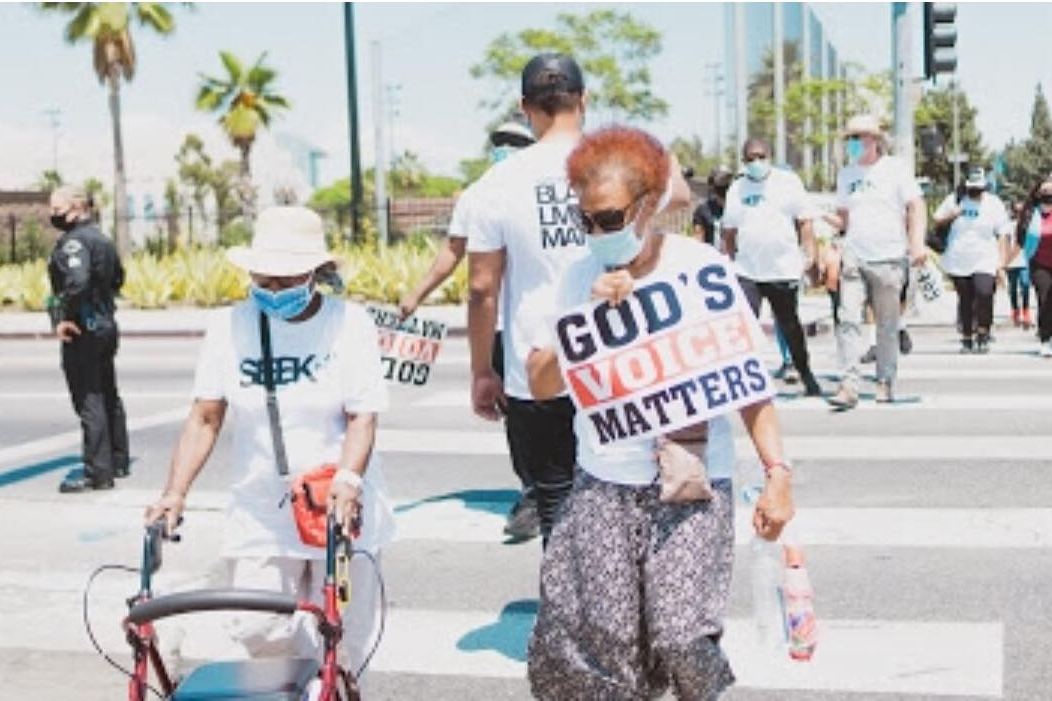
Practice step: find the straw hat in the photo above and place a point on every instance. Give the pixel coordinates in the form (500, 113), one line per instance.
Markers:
(862, 124)
(287, 241)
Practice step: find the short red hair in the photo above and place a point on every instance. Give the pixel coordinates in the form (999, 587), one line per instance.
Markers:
(626, 153)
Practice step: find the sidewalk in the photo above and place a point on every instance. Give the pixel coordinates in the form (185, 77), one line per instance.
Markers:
(190, 322)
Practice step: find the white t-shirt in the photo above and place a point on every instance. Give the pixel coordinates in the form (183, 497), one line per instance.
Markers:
(522, 206)
(875, 197)
(323, 367)
(630, 462)
(765, 213)
(972, 246)
(1009, 232)
(460, 225)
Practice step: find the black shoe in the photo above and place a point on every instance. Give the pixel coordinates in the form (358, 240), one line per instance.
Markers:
(966, 346)
(523, 522)
(811, 386)
(121, 473)
(77, 482)
(870, 356)
(905, 342)
(982, 344)
(780, 372)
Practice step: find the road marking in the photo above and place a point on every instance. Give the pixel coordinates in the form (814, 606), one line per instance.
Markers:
(459, 399)
(148, 394)
(862, 656)
(69, 439)
(828, 447)
(478, 517)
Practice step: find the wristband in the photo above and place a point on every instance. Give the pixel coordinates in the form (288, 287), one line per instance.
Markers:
(348, 477)
(784, 464)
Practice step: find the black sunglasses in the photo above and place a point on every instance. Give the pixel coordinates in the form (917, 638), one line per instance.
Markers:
(1045, 198)
(605, 220)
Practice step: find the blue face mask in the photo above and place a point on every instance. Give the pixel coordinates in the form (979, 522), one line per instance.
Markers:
(855, 150)
(499, 153)
(616, 248)
(758, 169)
(284, 304)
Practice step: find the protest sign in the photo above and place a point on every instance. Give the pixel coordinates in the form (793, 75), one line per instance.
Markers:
(676, 352)
(408, 347)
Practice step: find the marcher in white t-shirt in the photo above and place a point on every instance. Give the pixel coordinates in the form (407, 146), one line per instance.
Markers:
(1018, 274)
(329, 388)
(972, 257)
(633, 588)
(520, 239)
(507, 139)
(764, 208)
(883, 213)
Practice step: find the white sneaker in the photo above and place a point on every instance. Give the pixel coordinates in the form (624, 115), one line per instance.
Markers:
(1046, 349)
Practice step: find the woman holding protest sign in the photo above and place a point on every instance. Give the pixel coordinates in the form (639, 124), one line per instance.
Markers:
(635, 579)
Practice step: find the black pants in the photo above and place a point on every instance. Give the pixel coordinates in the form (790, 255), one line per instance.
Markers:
(1041, 277)
(518, 464)
(975, 302)
(1017, 291)
(87, 362)
(542, 441)
(781, 295)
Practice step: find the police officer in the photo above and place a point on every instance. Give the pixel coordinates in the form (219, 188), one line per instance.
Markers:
(85, 274)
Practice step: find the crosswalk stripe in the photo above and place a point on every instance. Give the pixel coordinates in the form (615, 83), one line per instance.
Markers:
(69, 439)
(460, 518)
(862, 656)
(827, 447)
(459, 399)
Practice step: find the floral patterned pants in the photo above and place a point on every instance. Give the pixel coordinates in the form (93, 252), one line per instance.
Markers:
(632, 596)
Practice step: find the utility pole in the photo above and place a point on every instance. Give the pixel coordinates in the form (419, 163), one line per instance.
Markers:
(380, 169)
(740, 107)
(53, 115)
(714, 89)
(902, 70)
(394, 95)
(352, 111)
(955, 95)
(779, 84)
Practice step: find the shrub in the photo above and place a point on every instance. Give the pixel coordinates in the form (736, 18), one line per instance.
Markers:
(148, 282)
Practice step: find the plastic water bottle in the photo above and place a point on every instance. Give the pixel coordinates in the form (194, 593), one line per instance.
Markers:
(768, 600)
(799, 607)
(768, 572)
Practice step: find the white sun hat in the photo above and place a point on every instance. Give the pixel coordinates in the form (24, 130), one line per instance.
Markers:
(286, 241)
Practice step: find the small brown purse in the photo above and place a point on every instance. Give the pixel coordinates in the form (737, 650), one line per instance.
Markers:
(681, 469)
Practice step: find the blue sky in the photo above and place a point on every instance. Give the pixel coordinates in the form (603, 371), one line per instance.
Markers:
(427, 49)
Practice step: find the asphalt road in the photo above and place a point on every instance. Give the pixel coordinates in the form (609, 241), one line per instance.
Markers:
(927, 528)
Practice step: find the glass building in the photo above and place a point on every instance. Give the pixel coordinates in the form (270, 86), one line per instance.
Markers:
(758, 78)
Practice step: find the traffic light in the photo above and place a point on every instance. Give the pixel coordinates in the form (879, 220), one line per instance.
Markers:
(940, 37)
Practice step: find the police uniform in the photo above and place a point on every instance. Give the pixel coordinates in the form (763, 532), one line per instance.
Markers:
(85, 273)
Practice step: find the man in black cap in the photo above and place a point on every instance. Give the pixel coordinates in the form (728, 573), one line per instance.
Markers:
(85, 275)
(708, 214)
(521, 237)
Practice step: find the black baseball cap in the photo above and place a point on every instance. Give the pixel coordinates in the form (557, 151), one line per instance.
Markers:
(550, 73)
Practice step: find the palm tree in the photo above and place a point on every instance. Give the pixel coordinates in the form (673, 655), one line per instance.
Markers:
(246, 100)
(108, 26)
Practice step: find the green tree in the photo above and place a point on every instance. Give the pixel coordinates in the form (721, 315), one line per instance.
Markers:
(195, 172)
(810, 105)
(173, 202)
(107, 25)
(691, 154)
(1030, 161)
(613, 49)
(50, 180)
(247, 100)
(223, 182)
(935, 109)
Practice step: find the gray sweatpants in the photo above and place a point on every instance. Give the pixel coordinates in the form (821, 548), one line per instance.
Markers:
(879, 282)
